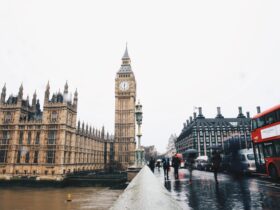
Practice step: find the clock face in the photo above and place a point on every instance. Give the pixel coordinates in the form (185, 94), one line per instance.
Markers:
(124, 85)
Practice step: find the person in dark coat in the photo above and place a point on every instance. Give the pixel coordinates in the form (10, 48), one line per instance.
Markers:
(176, 164)
(190, 163)
(152, 164)
(166, 167)
(216, 161)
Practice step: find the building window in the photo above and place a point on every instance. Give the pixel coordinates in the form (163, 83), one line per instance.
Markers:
(27, 157)
(52, 137)
(54, 116)
(18, 156)
(20, 137)
(29, 137)
(37, 140)
(8, 117)
(50, 158)
(3, 155)
(6, 137)
(36, 155)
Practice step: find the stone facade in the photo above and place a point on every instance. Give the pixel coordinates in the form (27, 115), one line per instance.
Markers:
(201, 133)
(125, 96)
(48, 144)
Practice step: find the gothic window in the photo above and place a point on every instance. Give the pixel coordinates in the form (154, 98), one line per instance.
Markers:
(6, 137)
(37, 140)
(36, 155)
(8, 117)
(3, 154)
(27, 157)
(50, 157)
(18, 156)
(29, 137)
(54, 116)
(51, 137)
(20, 137)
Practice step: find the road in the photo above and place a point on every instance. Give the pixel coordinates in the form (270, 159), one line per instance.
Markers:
(231, 193)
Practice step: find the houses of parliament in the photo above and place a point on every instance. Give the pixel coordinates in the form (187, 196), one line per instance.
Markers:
(48, 144)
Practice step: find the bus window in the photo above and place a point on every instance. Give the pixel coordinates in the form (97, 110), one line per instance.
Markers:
(261, 157)
(260, 122)
(270, 118)
(268, 150)
(254, 124)
(277, 148)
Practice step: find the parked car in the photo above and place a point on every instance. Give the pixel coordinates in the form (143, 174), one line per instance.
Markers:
(247, 160)
(203, 163)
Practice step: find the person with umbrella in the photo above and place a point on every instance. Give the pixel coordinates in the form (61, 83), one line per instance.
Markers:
(175, 165)
(191, 155)
(216, 161)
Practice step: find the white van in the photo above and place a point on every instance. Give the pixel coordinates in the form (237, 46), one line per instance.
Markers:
(247, 159)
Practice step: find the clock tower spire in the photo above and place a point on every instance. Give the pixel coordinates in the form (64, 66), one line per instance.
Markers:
(125, 94)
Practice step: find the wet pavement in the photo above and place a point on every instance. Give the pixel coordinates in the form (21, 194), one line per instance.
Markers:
(203, 193)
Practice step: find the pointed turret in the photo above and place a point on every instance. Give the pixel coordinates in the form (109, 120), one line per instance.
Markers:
(103, 132)
(47, 93)
(27, 100)
(3, 94)
(20, 92)
(34, 99)
(75, 102)
(125, 67)
(125, 55)
(65, 88)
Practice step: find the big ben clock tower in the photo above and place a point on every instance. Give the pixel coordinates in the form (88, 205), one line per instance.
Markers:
(125, 94)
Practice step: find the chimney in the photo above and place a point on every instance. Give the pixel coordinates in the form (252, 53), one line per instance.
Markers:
(190, 119)
(188, 122)
(194, 115)
(219, 110)
(258, 109)
(240, 114)
(240, 109)
(199, 111)
(248, 114)
(200, 115)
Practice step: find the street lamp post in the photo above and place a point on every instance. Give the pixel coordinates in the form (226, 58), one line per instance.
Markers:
(139, 151)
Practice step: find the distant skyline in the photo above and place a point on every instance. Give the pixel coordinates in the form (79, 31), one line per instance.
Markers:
(184, 54)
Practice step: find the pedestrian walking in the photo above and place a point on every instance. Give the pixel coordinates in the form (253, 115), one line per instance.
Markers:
(152, 164)
(166, 167)
(175, 165)
(216, 161)
(190, 163)
(158, 165)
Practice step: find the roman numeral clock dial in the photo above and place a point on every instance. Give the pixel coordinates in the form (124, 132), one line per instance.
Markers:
(124, 86)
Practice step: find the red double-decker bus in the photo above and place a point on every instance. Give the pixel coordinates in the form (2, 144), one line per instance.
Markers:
(266, 141)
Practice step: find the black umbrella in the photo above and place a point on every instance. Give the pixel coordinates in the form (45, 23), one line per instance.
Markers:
(216, 148)
(191, 153)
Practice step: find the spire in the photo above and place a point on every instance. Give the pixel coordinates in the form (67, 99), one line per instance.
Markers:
(3, 94)
(125, 67)
(75, 102)
(47, 93)
(34, 99)
(103, 132)
(66, 88)
(20, 92)
(125, 55)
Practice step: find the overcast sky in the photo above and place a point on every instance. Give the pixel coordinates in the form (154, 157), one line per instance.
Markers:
(184, 54)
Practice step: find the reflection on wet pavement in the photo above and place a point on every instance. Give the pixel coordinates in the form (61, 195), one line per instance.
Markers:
(230, 193)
